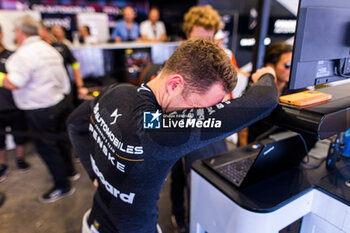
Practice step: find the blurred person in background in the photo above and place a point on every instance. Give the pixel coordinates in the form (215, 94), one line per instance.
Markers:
(126, 29)
(199, 22)
(68, 59)
(86, 37)
(60, 35)
(278, 56)
(219, 39)
(40, 85)
(153, 29)
(10, 116)
(242, 82)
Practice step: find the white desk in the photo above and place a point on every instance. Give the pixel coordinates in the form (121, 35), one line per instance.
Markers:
(212, 211)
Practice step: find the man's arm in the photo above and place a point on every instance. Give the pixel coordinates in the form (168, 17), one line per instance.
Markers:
(258, 102)
(6, 83)
(222, 119)
(115, 33)
(82, 91)
(243, 134)
(70, 59)
(78, 130)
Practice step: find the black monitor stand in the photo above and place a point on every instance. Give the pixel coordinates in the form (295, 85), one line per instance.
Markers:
(334, 152)
(321, 121)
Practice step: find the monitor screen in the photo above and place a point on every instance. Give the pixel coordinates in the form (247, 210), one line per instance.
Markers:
(322, 43)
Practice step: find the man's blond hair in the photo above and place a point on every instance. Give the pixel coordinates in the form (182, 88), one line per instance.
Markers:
(204, 16)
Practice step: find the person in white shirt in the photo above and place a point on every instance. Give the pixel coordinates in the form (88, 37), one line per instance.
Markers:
(39, 84)
(152, 29)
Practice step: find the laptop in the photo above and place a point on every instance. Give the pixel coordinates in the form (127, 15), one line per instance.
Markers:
(253, 163)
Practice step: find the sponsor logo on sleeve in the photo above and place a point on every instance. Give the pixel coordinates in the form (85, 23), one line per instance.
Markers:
(115, 115)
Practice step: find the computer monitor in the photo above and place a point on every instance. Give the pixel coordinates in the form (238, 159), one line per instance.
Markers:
(322, 43)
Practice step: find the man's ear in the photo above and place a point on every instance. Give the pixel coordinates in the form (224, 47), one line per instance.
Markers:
(175, 84)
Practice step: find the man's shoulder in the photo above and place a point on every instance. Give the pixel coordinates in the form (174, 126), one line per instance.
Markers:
(59, 45)
(145, 23)
(34, 45)
(124, 90)
(160, 23)
(120, 23)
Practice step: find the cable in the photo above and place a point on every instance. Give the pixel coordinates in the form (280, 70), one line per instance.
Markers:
(306, 163)
(313, 166)
(340, 63)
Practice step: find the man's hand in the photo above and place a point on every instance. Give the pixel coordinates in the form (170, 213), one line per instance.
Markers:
(82, 92)
(6, 83)
(260, 72)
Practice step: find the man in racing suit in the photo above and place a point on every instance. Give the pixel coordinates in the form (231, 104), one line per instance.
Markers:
(129, 137)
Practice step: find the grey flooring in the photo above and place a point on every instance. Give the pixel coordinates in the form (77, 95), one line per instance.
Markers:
(23, 213)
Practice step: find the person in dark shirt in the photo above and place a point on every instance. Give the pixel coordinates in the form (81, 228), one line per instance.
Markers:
(129, 137)
(10, 116)
(279, 57)
(69, 60)
(199, 22)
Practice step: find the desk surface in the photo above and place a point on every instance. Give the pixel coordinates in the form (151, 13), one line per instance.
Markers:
(334, 184)
(279, 190)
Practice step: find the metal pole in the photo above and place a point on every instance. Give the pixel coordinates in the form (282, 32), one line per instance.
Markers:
(261, 33)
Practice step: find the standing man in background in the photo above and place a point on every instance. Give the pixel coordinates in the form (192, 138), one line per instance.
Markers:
(39, 84)
(68, 60)
(126, 29)
(10, 116)
(60, 35)
(199, 22)
(153, 29)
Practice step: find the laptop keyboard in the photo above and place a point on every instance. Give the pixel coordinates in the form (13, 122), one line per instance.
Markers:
(237, 170)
